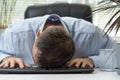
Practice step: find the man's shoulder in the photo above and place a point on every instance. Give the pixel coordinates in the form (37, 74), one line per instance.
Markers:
(24, 25)
(79, 25)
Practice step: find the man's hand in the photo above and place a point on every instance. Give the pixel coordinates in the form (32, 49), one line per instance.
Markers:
(11, 62)
(81, 62)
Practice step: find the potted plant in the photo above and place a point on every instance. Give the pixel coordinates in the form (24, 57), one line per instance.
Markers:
(114, 22)
(6, 12)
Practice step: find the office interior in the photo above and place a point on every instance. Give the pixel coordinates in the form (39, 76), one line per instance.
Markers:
(15, 10)
(18, 7)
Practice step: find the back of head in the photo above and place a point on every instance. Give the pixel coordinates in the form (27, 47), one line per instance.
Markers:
(57, 47)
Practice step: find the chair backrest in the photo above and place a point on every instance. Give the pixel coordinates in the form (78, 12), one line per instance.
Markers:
(63, 9)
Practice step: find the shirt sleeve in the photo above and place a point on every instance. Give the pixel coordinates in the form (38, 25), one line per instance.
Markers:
(88, 39)
(6, 44)
(107, 43)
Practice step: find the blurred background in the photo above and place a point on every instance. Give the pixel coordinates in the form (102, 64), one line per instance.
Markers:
(18, 8)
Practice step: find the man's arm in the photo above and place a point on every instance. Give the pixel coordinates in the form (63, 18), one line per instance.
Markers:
(89, 39)
(7, 51)
(6, 44)
(107, 42)
(99, 41)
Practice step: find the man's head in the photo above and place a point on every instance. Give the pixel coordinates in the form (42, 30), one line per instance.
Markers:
(54, 47)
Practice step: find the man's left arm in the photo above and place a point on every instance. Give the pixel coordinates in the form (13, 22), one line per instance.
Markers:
(90, 39)
(99, 41)
(107, 43)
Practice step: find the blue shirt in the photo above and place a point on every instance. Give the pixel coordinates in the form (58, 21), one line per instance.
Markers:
(18, 39)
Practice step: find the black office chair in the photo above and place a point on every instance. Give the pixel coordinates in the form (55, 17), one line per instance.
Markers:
(63, 9)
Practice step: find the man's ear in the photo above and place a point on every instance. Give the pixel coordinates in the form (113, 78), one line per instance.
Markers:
(38, 33)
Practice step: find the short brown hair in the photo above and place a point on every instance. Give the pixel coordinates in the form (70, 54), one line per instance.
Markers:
(57, 47)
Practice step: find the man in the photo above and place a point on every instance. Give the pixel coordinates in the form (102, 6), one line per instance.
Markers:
(48, 41)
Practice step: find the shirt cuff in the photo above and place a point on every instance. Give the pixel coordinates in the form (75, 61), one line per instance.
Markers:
(2, 56)
(96, 60)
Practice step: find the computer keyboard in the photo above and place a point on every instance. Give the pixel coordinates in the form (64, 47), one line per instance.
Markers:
(36, 70)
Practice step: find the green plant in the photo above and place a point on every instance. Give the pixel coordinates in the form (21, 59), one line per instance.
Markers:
(110, 5)
(6, 12)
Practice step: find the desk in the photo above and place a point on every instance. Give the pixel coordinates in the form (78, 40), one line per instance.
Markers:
(96, 75)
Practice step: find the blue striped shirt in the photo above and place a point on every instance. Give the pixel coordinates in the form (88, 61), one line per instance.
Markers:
(18, 39)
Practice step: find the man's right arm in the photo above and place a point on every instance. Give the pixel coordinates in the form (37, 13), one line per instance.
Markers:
(6, 44)
(7, 51)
